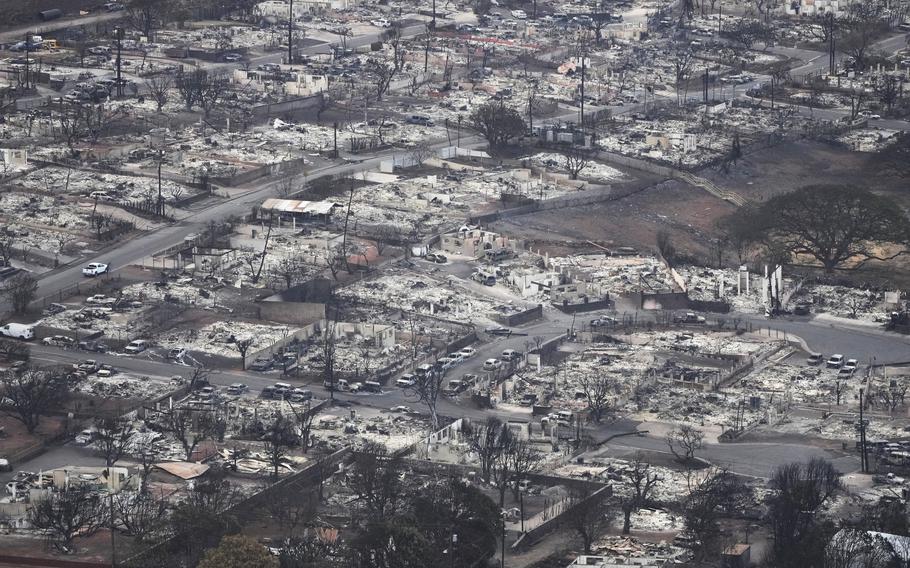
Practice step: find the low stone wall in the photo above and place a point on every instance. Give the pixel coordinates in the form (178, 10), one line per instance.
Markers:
(520, 318)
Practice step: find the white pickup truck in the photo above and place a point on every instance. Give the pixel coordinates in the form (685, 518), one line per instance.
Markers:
(94, 269)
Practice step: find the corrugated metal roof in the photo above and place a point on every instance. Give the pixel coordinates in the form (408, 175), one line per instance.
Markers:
(183, 470)
(298, 206)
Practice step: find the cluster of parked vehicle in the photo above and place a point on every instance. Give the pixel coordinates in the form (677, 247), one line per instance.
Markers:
(507, 357)
(837, 361)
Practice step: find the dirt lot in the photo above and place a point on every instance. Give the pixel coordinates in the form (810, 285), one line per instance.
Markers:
(687, 213)
(16, 439)
(792, 165)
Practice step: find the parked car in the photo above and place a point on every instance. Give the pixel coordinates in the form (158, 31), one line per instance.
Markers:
(849, 367)
(136, 346)
(437, 258)
(261, 364)
(603, 321)
(499, 331)
(89, 366)
(95, 346)
(836, 361)
(689, 317)
(94, 269)
(85, 437)
(467, 352)
(232, 57)
(405, 381)
(801, 310)
(237, 388)
(492, 364)
(510, 355)
(176, 353)
(59, 341)
(815, 359)
(54, 309)
(300, 395)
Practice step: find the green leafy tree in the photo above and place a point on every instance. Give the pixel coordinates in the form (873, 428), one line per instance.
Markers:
(238, 552)
(837, 226)
(497, 123)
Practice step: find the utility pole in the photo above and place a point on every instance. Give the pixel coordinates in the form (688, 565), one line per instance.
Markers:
(335, 151)
(502, 549)
(119, 32)
(26, 60)
(706, 88)
(864, 461)
(291, 33)
(830, 43)
(433, 22)
(720, 15)
(582, 120)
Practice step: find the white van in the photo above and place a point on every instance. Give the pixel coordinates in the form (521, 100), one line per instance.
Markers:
(18, 330)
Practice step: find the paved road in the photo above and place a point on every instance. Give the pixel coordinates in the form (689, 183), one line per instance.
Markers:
(42, 28)
(752, 459)
(146, 244)
(854, 341)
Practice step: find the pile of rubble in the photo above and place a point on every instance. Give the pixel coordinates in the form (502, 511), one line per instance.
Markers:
(402, 290)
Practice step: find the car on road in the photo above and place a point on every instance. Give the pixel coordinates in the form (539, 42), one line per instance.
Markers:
(436, 257)
(492, 364)
(801, 310)
(815, 359)
(59, 341)
(603, 321)
(511, 355)
(499, 331)
(849, 367)
(232, 57)
(467, 352)
(237, 388)
(136, 346)
(836, 361)
(94, 269)
(18, 331)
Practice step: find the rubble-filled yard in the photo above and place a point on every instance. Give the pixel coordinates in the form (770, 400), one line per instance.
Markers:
(124, 386)
(400, 289)
(617, 274)
(108, 187)
(843, 302)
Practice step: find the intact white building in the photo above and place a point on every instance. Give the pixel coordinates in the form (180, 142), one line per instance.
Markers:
(816, 7)
(279, 8)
